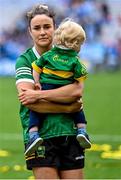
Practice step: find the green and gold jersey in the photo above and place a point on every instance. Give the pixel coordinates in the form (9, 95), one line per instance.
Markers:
(60, 66)
(54, 124)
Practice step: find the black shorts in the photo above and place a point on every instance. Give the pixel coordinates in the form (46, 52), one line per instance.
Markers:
(63, 153)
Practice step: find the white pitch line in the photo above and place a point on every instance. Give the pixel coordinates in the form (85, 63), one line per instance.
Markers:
(93, 137)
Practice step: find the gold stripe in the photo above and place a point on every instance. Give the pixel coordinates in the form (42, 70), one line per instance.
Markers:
(81, 79)
(63, 74)
(31, 157)
(36, 68)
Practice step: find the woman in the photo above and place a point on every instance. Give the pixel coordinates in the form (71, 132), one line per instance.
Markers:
(60, 155)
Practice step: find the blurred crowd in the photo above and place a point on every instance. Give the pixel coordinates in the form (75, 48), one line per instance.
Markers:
(102, 49)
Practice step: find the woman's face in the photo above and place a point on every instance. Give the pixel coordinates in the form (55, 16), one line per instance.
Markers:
(42, 30)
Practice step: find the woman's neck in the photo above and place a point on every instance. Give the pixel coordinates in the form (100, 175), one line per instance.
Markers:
(42, 50)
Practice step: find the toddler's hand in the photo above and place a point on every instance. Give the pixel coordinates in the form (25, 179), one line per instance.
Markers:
(37, 86)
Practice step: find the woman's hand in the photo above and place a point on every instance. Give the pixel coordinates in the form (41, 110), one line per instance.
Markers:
(28, 96)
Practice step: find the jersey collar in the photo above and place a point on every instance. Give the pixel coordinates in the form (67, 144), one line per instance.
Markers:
(35, 52)
(65, 50)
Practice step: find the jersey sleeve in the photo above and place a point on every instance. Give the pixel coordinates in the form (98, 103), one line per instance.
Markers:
(80, 72)
(38, 64)
(23, 70)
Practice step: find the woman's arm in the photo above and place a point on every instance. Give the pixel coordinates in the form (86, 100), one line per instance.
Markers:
(50, 107)
(65, 94)
(31, 101)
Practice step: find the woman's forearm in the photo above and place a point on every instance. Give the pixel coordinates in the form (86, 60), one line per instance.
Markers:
(29, 98)
(48, 107)
(65, 94)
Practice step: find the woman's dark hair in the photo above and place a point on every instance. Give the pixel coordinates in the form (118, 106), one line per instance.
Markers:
(40, 9)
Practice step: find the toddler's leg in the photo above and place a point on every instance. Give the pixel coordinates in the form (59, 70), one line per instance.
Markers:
(82, 135)
(34, 139)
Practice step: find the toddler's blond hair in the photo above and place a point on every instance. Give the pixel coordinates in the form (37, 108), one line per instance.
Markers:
(70, 35)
